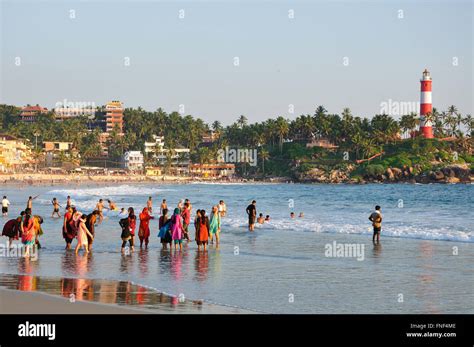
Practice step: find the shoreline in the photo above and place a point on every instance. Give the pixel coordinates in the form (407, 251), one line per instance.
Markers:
(36, 179)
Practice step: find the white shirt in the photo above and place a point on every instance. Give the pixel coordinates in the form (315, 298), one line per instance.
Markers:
(5, 203)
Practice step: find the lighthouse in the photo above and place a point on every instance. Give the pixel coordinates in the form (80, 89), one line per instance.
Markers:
(425, 105)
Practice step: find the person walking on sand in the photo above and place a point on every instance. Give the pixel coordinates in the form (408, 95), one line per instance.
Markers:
(144, 229)
(252, 213)
(28, 234)
(176, 229)
(56, 207)
(186, 214)
(149, 204)
(82, 235)
(5, 204)
(100, 207)
(202, 229)
(215, 225)
(376, 219)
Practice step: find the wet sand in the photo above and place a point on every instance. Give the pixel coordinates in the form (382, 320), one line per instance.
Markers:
(18, 302)
(27, 294)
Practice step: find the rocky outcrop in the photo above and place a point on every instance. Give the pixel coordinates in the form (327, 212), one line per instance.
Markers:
(460, 173)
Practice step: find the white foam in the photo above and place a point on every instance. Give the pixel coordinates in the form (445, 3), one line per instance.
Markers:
(123, 190)
(398, 231)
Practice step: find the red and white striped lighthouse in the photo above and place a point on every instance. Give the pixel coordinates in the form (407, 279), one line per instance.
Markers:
(425, 105)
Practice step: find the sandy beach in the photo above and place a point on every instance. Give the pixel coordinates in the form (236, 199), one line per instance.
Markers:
(18, 302)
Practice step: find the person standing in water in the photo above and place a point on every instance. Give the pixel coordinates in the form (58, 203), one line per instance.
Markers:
(112, 206)
(167, 235)
(144, 229)
(56, 207)
(29, 203)
(68, 232)
(5, 204)
(186, 214)
(149, 204)
(176, 229)
(252, 213)
(202, 229)
(215, 225)
(222, 208)
(68, 202)
(90, 224)
(100, 207)
(376, 219)
(163, 206)
(28, 234)
(83, 234)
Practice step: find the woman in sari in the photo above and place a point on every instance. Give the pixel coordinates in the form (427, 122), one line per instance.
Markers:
(28, 233)
(215, 225)
(144, 229)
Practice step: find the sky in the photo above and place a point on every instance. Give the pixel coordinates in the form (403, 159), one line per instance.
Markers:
(227, 58)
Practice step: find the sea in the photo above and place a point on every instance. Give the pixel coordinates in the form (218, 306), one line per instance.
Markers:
(423, 264)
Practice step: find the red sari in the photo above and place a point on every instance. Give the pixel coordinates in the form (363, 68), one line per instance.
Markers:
(144, 229)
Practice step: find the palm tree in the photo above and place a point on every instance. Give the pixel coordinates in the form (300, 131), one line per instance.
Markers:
(264, 155)
(282, 130)
(469, 123)
(242, 121)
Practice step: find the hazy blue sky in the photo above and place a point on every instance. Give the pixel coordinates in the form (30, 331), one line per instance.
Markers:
(283, 61)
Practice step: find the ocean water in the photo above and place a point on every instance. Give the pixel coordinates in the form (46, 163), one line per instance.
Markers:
(423, 264)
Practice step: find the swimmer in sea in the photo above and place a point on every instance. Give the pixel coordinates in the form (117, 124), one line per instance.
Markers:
(99, 207)
(56, 207)
(260, 219)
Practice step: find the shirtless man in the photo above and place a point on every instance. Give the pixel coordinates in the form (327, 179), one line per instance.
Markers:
(99, 207)
(56, 207)
(149, 204)
(112, 206)
(164, 206)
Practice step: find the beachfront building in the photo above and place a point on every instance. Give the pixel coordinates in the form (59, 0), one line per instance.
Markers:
(153, 171)
(15, 153)
(163, 156)
(114, 116)
(220, 170)
(30, 113)
(133, 160)
(57, 146)
(155, 146)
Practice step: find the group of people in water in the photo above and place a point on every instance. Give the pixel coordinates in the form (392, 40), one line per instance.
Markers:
(174, 227)
(174, 224)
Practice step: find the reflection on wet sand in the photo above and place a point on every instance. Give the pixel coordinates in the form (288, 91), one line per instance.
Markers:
(101, 291)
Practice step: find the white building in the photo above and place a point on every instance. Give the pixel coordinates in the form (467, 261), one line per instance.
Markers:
(133, 160)
(158, 150)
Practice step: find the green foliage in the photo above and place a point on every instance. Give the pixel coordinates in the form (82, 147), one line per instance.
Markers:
(374, 170)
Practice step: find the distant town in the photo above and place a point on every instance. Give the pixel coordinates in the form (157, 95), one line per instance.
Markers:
(91, 141)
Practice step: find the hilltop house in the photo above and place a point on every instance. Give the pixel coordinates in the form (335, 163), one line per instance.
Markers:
(133, 160)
